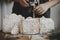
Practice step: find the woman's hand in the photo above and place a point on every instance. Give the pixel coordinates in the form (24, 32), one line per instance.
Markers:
(24, 3)
(41, 9)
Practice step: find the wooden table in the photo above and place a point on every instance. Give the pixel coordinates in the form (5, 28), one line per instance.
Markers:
(4, 36)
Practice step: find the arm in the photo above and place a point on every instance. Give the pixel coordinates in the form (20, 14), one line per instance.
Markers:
(42, 8)
(52, 3)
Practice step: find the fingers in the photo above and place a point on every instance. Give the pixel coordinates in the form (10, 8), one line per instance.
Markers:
(36, 8)
(43, 12)
(24, 3)
(39, 10)
(27, 0)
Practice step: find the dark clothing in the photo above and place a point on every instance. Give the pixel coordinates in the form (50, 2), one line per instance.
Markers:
(27, 12)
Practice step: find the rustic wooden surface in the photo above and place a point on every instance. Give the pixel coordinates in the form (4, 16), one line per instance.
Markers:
(4, 36)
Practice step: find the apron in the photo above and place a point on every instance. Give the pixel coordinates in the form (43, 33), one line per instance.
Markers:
(27, 12)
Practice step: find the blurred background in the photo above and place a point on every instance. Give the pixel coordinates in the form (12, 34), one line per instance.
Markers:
(0, 15)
